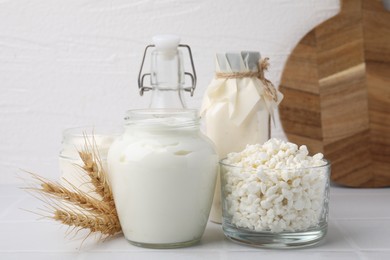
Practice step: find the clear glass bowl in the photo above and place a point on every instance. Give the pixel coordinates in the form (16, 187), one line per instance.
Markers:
(275, 208)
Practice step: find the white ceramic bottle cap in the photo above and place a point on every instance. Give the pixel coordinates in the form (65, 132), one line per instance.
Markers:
(166, 42)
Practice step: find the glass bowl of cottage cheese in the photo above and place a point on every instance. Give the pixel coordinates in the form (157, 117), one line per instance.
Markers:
(275, 195)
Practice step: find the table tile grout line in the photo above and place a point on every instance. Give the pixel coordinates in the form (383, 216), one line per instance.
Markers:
(353, 244)
(360, 218)
(7, 210)
(361, 194)
(347, 238)
(346, 190)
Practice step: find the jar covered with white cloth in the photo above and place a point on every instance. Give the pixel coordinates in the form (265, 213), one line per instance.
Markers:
(237, 107)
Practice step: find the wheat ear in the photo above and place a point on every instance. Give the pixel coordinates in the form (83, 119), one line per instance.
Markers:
(94, 169)
(101, 223)
(75, 207)
(78, 198)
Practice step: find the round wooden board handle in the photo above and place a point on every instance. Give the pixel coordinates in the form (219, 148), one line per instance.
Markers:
(336, 84)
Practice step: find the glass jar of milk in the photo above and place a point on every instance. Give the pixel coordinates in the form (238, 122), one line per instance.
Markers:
(163, 172)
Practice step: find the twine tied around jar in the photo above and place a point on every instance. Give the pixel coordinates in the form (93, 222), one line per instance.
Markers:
(263, 64)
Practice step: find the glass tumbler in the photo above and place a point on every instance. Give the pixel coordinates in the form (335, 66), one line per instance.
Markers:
(73, 141)
(272, 208)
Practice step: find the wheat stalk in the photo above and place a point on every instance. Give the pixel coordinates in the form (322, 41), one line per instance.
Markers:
(76, 208)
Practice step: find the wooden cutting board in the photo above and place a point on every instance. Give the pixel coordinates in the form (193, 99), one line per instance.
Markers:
(337, 93)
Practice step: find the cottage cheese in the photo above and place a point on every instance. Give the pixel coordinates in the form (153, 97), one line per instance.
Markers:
(274, 187)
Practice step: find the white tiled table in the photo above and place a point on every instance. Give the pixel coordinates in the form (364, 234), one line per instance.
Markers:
(359, 228)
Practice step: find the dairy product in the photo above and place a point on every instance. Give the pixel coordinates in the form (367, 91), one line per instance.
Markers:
(275, 187)
(229, 137)
(74, 140)
(163, 172)
(237, 107)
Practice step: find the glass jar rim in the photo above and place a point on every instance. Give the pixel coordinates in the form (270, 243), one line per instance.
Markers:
(326, 165)
(82, 131)
(162, 117)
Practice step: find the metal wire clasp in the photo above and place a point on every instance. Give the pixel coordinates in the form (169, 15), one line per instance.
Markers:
(141, 77)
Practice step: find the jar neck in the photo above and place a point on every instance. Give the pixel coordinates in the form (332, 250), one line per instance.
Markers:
(167, 98)
(167, 71)
(167, 79)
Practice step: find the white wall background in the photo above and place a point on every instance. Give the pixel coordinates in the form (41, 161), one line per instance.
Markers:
(75, 62)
